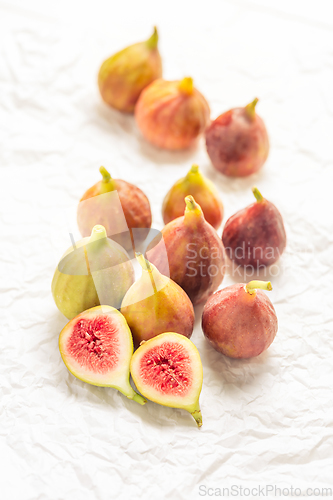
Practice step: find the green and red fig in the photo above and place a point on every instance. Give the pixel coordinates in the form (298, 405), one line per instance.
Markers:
(195, 254)
(172, 115)
(123, 76)
(255, 236)
(122, 208)
(96, 346)
(155, 304)
(240, 320)
(237, 141)
(167, 370)
(94, 271)
(204, 192)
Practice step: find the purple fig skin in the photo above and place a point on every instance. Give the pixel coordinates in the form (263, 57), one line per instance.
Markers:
(195, 254)
(237, 142)
(239, 324)
(255, 236)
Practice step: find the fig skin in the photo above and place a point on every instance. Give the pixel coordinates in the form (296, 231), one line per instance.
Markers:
(195, 253)
(97, 354)
(94, 270)
(172, 114)
(167, 369)
(240, 323)
(237, 142)
(135, 205)
(255, 236)
(204, 192)
(155, 304)
(123, 76)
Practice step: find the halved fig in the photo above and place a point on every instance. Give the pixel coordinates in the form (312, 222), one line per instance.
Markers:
(96, 347)
(167, 369)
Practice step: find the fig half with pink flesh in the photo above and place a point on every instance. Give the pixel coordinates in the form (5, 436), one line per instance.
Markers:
(155, 304)
(167, 370)
(96, 346)
(240, 320)
(255, 236)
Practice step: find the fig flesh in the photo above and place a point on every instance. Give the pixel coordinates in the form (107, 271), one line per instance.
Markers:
(155, 304)
(122, 208)
(237, 141)
(94, 271)
(172, 114)
(204, 192)
(167, 370)
(195, 254)
(96, 347)
(123, 76)
(240, 320)
(255, 236)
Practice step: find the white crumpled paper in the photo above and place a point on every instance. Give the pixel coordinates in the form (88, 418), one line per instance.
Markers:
(267, 421)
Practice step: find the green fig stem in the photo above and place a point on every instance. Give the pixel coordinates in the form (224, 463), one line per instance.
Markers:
(253, 285)
(105, 174)
(191, 204)
(194, 169)
(146, 266)
(196, 414)
(257, 194)
(98, 232)
(138, 398)
(251, 108)
(153, 40)
(186, 85)
(130, 393)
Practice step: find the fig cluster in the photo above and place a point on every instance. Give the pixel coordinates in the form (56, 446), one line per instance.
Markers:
(111, 312)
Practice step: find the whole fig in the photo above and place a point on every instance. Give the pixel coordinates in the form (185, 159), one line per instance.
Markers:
(124, 75)
(127, 219)
(155, 304)
(237, 141)
(195, 254)
(172, 115)
(94, 271)
(204, 192)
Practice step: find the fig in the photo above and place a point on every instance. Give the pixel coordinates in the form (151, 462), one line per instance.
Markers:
(203, 190)
(172, 115)
(122, 208)
(92, 272)
(195, 254)
(156, 304)
(123, 76)
(96, 347)
(240, 320)
(167, 370)
(237, 141)
(255, 236)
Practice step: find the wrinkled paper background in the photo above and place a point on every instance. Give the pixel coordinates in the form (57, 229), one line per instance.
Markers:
(266, 421)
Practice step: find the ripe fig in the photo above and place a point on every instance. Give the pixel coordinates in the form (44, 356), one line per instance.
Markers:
(127, 219)
(172, 115)
(124, 75)
(204, 192)
(92, 272)
(240, 320)
(167, 370)
(156, 304)
(96, 346)
(255, 236)
(195, 253)
(237, 141)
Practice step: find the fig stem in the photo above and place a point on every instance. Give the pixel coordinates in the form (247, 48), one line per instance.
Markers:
(257, 194)
(191, 203)
(139, 399)
(253, 285)
(197, 417)
(105, 174)
(186, 85)
(153, 40)
(251, 108)
(146, 266)
(98, 232)
(194, 169)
